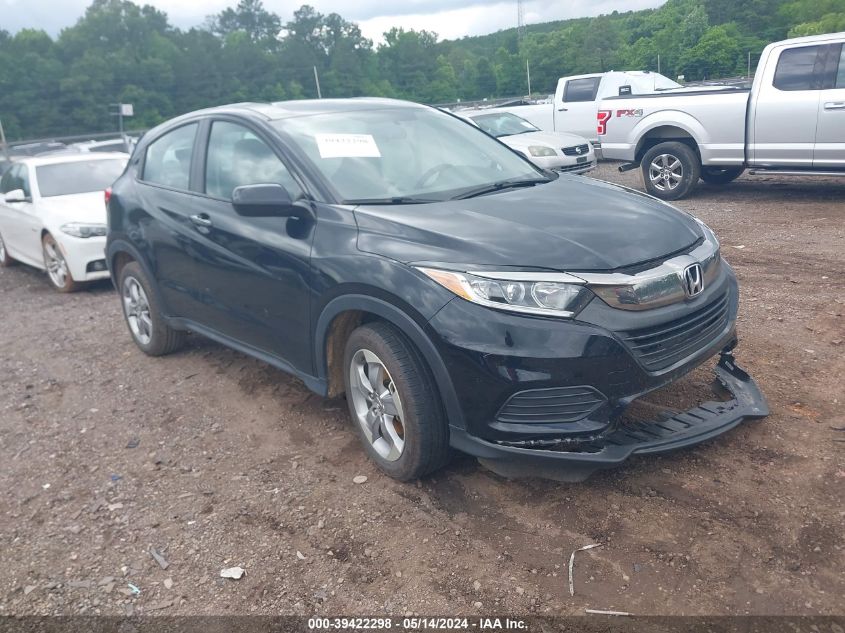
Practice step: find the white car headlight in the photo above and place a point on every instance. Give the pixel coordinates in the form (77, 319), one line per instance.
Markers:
(547, 294)
(541, 150)
(80, 229)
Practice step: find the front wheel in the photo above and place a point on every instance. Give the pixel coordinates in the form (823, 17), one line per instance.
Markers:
(5, 258)
(56, 265)
(670, 170)
(720, 175)
(394, 402)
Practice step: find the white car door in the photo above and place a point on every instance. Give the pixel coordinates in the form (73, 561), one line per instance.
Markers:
(20, 223)
(829, 151)
(575, 107)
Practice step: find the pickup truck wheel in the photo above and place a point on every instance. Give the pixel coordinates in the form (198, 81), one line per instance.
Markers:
(720, 175)
(670, 170)
(143, 315)
(394, 402)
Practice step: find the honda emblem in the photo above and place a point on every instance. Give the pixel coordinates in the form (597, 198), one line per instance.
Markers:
(693, 280)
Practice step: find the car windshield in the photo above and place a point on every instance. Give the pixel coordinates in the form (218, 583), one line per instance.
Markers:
(404, 155)
(64, 179)
(503, 124)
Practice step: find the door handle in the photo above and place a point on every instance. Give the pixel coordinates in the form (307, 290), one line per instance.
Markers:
(838, 105)
(201, 220)
(563, 109)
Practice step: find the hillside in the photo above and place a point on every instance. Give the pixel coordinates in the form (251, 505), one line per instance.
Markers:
(120, 51)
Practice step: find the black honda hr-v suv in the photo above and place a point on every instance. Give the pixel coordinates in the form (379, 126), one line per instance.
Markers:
(457, 294)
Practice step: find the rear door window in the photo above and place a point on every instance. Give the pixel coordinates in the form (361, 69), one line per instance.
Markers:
(581, 89)
(840, 75)
(168, 159)
(797, 69)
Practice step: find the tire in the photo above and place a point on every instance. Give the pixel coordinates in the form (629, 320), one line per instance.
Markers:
(57, 269)
(142, 313)
(418, 420)
(720, 175)
(670, 170)
(5, 259)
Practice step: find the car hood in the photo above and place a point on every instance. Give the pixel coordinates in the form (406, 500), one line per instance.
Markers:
(552, 139)
(79, 207)
(570, 224)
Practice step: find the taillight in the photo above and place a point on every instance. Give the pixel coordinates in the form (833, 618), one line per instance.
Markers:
(603, 117)
(107, 195)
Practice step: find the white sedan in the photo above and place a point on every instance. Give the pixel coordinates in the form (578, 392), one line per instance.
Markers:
(53, 215)
(559, 151)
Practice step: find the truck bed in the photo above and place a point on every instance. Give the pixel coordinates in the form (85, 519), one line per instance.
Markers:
(715, 118)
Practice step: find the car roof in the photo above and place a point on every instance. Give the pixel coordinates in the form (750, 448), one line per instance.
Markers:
(298, 108)
(54, 159)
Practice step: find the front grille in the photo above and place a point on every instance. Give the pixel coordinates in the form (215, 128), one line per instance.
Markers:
(661, 346)
(577, 167)
(577, 150)
(550, 406)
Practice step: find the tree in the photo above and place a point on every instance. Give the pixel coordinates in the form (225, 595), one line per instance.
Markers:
(717, 54)
(249, 17)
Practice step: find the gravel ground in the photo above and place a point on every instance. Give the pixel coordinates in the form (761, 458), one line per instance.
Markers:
(215, 460)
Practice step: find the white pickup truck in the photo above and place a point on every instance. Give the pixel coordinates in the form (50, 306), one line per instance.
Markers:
(577, 97)
(791, 122)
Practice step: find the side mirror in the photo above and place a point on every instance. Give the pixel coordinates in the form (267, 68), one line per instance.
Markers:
(16, 195)
(270, 200)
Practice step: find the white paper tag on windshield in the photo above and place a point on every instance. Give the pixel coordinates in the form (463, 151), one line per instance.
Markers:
(347, 146)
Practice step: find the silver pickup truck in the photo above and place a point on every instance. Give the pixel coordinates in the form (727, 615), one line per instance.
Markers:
(791, 122)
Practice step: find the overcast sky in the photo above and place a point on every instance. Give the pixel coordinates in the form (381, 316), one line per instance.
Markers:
(448, 18)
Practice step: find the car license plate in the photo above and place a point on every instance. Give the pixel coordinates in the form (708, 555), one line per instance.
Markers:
(581, 159)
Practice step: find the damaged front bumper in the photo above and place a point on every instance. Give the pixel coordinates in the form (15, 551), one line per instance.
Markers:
(575, 462)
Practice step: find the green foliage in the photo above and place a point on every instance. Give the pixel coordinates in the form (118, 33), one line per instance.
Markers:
(121, 51)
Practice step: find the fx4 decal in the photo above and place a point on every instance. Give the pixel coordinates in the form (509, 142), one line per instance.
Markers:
(636, 113)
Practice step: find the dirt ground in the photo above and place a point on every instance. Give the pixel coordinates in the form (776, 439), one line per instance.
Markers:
(216, 460)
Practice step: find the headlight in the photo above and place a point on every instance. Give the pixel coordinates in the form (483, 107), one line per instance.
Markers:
(541, 150)
(548, 294)
(77, 229)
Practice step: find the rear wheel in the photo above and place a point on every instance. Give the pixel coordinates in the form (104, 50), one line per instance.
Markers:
(394, 402)
(670, 170)
(143, 317)
(720, 175)
(5, 259)
(57, 269)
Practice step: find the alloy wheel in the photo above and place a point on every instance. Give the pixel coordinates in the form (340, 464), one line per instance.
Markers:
(377, 405)
(666, 172)
(136, 307)
(55, 263)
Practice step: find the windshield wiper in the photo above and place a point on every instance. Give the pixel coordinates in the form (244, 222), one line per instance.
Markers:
(499, 186)
(394, 200)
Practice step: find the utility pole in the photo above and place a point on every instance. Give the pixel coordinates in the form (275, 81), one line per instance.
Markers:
(317, 81)
(658, 63)
(528, 72)
(520, 35)
(749, 65)
(3, 141)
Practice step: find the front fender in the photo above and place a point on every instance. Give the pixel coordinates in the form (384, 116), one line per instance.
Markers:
(407, 325)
